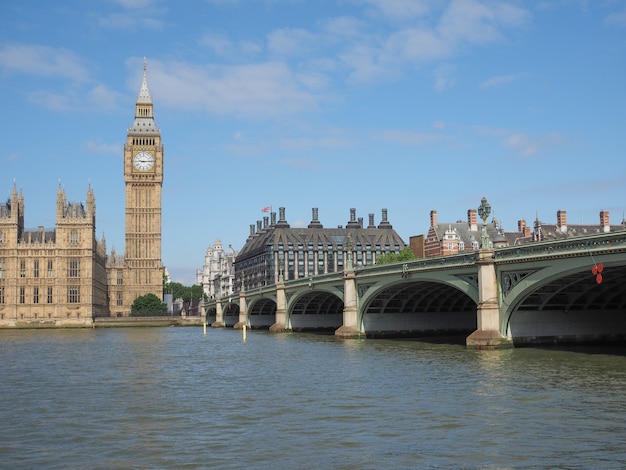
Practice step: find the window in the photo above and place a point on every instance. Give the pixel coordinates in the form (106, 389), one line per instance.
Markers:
(36, 268)
(49, 300)
(35, 295)
(120, 277)
(74, 267)
(1, 294)
(22, 295)
(22, 268)
(1, 269)
(49, 268)
(74, 237)
(73, 294)
(1, 236)
(120, 298)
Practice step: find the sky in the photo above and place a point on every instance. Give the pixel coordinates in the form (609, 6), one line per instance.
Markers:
(404, 105)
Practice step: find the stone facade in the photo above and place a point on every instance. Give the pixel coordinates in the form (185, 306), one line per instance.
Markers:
(217, 276)
(51, 277)
(456, 237)
(140, 271)
(63, 276)
(276, 249)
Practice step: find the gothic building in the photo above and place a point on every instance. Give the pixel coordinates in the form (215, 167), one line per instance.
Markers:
(51, 276)
(276, 248)
(450, 238)
(140, 270)
(63, 276)
(217, 276)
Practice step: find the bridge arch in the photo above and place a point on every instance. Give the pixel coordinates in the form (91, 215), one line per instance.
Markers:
(561, 301)
(230, 313)
(315, 310)
(261, 313)
(424, 306)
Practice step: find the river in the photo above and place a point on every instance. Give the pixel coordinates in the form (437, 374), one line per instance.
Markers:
(174, 398)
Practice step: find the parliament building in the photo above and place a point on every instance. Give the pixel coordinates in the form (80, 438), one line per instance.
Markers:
(63, 276)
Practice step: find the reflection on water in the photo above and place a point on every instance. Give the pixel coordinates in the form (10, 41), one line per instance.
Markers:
(174, 398)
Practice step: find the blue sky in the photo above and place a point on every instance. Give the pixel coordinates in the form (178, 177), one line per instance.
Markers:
(406, 105)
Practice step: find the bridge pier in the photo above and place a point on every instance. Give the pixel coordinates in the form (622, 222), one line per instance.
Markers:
(280, 324)
(487, 334)
(350, 327)
(219, 315)
(243, 311)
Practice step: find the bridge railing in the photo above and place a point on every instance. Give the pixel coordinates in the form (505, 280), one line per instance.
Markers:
(595, 243)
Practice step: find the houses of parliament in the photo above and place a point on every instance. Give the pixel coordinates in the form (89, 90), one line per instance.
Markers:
(65, 276)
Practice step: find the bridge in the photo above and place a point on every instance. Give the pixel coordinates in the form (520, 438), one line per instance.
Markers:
(566, 291)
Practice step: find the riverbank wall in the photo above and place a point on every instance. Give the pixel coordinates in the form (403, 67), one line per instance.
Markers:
(102, 322)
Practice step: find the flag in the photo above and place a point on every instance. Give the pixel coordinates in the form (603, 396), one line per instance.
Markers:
(266, 209)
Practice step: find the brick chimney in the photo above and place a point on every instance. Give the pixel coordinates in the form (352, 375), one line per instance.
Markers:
(523, 228)
(433, 219)
(561, 221)
(472, 220)
(604, 221)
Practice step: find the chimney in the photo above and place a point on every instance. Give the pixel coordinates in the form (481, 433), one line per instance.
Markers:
(604, 221)
(282, 222)
(384, 223)
(273, 218)
(371, 219)
(561, 221)
(315, 223)
(361, 222)
(251, 230)
(523, 228)
(472, 220)
(433, 219)
(353, 223)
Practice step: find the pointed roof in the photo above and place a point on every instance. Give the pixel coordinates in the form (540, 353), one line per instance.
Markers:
(144, 93)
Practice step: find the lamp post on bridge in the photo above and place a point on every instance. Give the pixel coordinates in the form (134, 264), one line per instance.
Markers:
(484, 210)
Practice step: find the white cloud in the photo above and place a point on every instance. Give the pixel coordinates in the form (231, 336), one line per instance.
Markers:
(401, 10)
(444, 77)
(460, 23)
(289, 42)
(476, 22)
(412, 138)
(100, 148)
(521, 143)
(617, 19)
(43, 61)
(261, 90)
(502, 79)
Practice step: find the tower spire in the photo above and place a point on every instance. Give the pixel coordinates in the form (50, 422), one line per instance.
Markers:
(144, 94)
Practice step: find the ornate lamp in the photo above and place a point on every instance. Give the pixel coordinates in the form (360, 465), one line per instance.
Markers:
(484, 210)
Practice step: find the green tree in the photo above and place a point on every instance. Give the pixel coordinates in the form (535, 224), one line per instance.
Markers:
(148, 304)
(405, 255)
(187, 294)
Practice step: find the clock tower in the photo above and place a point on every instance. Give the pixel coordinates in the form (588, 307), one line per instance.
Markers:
(143, 175)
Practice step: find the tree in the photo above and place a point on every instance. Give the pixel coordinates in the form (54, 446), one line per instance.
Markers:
(186, 294)
(405, 255)
(148, 304)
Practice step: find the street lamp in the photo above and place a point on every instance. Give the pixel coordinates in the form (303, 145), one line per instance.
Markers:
(483, 212)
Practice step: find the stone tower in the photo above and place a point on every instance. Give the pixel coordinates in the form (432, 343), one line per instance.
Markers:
(143, 175)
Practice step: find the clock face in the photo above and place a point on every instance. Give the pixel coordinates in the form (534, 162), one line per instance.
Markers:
(143, 161)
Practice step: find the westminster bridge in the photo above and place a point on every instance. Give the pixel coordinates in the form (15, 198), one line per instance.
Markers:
(567, 291)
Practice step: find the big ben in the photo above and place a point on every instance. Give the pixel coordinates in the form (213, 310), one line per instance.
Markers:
(143, 175)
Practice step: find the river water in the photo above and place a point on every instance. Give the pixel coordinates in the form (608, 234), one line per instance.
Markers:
(173, 398)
